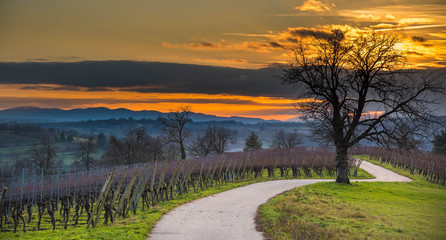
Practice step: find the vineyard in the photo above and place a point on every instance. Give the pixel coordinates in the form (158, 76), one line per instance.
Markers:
(430, 166)
(70, 198)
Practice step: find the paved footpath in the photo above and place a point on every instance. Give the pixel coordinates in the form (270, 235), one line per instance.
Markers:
(230, 215)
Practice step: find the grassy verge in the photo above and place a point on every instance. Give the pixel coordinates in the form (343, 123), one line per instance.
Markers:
(372, 210)
(134, 227)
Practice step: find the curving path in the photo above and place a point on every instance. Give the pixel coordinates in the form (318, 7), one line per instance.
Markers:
(230, 214)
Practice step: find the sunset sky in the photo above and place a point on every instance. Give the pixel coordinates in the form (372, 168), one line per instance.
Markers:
(248, 37)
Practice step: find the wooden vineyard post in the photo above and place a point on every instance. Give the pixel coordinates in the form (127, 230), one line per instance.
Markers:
(189, 173)
(227, 173)
(185, 178)
(200, 176)
(127, 192)
(1, 205)
(141, 190)
(208, 175)
(275, 165)
(261, 169)
(172, 181)
(135, 192)
(161, 180)
(118, 189)
(176, 178)
(235, 169)
(179, 180)
(3, 199)
(220, 172)
(152, 194)
(243, 173)
(102, 196)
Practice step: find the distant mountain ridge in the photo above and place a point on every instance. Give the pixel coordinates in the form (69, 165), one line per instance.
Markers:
(36, 114)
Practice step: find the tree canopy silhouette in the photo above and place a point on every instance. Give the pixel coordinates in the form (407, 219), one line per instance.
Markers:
(355, 88)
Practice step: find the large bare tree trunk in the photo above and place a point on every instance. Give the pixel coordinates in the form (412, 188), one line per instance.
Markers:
(183, 151)
(342, 165)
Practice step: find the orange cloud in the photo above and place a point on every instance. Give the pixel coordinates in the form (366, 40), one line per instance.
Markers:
(167, 45)
(369, 16)
(230, 62)
(223, 45)
(278, 45)
(315, 6)
(383, 25)
(389, 17)
(407, 21)
(374, 114)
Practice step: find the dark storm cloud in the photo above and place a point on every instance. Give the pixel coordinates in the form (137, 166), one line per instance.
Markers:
(10, 102)
(36, 87)
(418, 39)
(98, 89)
(38, 59)
(68, 88)
(207, 44)
(40, 87)
(414, 53)
(63, 102)
(441, 63)
(276, 45)
(147, 77)
(305, 32)
(272, 111)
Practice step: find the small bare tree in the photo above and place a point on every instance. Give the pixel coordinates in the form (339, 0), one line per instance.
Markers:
(222, 137)
(342, 79)
(201, 145)
(42, 156)
(215, 139)
(157, 148)
(175, 126)
(284, 139)
(136, 147)
(86, 148)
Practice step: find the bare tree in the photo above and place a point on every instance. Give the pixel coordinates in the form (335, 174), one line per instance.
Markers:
(87, 147)
(175, 126)
(42, 156)
(172, 151)
(101, 140)
(202, 144)
(222, 137)
(342, 79)
(215, 139)
(284, 139)
(157, 148)
(134, 148)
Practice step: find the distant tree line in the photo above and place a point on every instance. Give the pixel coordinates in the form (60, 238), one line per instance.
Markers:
(137, 145)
